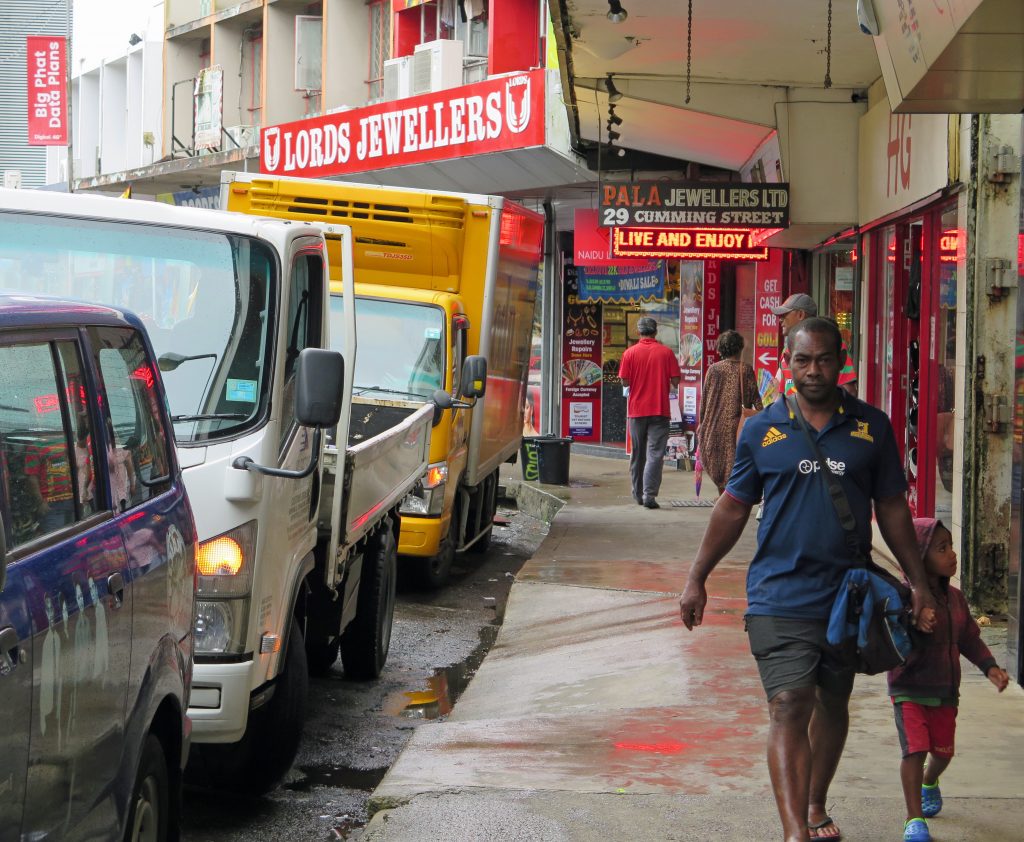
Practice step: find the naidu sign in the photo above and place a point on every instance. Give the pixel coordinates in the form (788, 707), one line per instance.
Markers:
(492, 116)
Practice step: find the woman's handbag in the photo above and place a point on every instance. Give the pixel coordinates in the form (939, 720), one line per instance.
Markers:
(871, 615)
(745, 412)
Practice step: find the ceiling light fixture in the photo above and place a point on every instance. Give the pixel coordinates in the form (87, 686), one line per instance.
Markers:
(616, 14)
(613, 118)
(614, 94)
(613, 135)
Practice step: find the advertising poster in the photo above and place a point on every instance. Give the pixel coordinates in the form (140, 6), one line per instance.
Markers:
(47, 90)
(622, 285)
(766, 336)
(691, 345)
(581, 364)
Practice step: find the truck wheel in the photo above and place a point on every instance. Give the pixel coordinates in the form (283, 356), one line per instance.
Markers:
(321, 656)
(488, 508)
(150, 808)
(260, 759)
(432, 573)
(366, 641)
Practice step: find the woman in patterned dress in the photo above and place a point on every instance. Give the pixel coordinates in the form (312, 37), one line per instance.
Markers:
(730, 385)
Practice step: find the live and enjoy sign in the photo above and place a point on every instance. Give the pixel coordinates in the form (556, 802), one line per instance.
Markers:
(695, 203)
(492, 116)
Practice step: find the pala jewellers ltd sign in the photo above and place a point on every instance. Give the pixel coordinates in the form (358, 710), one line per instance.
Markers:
(499, 114)
(684, 204)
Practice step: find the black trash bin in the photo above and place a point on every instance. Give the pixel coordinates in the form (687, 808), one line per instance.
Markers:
(546, 459)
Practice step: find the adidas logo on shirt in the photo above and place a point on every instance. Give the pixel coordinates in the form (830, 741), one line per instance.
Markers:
(772, 436)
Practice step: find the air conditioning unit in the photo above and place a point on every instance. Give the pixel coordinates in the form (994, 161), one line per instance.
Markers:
(436, 66)
(397, 78)
(242, 135)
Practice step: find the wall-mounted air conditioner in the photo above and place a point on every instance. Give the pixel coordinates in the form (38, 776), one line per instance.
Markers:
(397, 78)
(436, 66)
(242, 135)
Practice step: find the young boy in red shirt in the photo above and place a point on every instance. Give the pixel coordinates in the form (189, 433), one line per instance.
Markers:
(926, 690)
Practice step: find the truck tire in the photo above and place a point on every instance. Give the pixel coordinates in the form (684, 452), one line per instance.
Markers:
(320, 657)
(432, 573)
(149, 810)
(366, 641)
(488, 508)
(255, 764)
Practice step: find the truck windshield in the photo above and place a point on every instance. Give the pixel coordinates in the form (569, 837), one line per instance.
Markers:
(203, 296)
(400, 349)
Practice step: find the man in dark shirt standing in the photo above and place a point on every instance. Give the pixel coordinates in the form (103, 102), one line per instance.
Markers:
(801, 558)
(650, 370)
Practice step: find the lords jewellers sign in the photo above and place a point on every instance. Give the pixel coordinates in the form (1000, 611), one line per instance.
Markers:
(493, 116)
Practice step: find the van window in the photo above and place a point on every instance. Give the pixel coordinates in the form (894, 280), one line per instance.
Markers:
(304, 319)
(45, 480)
(136, 448)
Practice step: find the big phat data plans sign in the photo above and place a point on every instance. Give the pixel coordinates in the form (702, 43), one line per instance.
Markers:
(47, 90)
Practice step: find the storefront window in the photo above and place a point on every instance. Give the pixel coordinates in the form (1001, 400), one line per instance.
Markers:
(888, 322)
(950, 251)
(837, 270)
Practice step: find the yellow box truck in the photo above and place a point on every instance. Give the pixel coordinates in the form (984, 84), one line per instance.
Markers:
(439, 276)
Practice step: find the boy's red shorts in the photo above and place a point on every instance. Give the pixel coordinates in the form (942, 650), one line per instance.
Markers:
(925, 728)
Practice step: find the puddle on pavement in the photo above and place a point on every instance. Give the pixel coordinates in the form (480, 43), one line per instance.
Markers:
(444, 687)
(340, 777)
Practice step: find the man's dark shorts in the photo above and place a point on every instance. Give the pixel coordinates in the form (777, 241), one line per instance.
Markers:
(792, 654)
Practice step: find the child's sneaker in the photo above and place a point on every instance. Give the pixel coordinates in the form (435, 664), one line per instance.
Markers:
(931, 800)
(916, 830)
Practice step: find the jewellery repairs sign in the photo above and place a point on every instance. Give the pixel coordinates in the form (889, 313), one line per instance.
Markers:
(581, 364)
(688, 203)
(499, 114)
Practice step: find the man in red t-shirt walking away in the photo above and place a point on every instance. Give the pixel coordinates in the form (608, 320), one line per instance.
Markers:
(650, 370)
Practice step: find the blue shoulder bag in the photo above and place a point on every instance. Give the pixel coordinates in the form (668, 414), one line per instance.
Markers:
(871, 615)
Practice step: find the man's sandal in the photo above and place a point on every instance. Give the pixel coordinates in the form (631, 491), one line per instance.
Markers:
(815, 830)
(916, 830)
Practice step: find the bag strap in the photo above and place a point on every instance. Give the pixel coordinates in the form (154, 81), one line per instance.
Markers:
(835, 489)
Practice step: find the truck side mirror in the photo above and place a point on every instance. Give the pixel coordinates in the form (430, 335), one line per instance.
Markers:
(319, 387)
(442, 401)
(474, 377)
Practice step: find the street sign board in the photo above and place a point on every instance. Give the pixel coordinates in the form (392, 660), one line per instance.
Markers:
(684, 204)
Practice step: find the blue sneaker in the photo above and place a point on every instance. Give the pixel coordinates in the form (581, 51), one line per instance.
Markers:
(916, 830)
(931, 800)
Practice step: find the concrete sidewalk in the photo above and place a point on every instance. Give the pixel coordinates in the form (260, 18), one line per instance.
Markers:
(597, 716)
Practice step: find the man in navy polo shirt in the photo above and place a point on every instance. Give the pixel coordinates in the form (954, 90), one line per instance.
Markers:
(800, 561)
(650, 369)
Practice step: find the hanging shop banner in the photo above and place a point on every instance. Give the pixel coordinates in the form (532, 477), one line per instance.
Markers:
(581, 365)
(689, 243)
(712, 312)
(593, 244)
(496, 115)
(688, 203)
(47, 90)
(622, 285)
(768, 286)
(209, 107)
(691, 342)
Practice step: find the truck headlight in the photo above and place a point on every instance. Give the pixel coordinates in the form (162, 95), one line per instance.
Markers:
(223, 586)
(220, 626)
(427, 497)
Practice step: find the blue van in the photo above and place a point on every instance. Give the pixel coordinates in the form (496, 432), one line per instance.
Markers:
(97, 579)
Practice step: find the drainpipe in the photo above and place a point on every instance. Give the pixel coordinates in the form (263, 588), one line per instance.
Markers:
(550, 327)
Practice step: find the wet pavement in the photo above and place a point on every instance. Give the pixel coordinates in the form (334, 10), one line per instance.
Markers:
(597, 716)
(355, 730)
